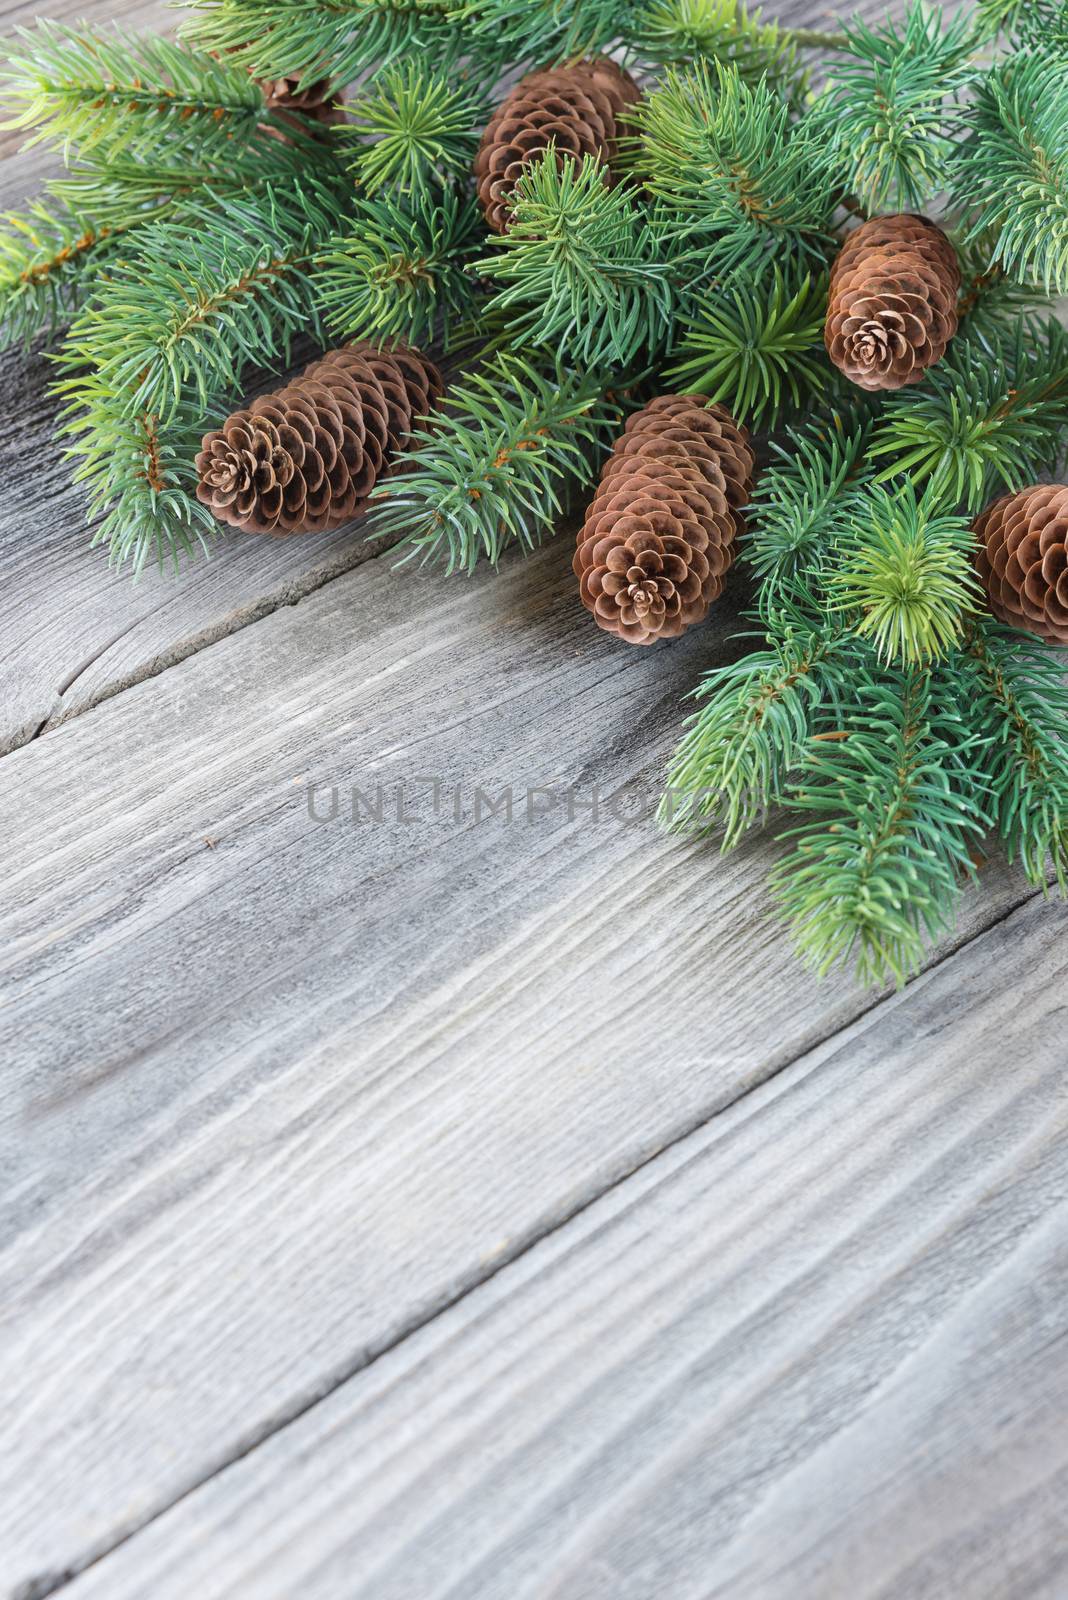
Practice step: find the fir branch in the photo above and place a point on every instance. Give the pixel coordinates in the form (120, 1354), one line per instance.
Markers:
(907, 568)
(756, 347)
(892, 808)
(990, 417)
(579, 269)
(803, 505)
(541, 32)
(400, 271)
(1011, 172)
(671, 31)
(497, 464)
(758, 714)
(104, 92)
(417, 130)
(1017, 702)
(50, 258)
(886, 104)
(166, 337)
(199, 299)
(338, 39)
(743, 186)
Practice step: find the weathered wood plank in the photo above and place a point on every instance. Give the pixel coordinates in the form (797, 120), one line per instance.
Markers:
(816, 1351)
(276, 1099)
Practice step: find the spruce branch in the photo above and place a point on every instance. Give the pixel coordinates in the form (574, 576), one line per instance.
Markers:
(886, 106)
(50, 258)
(400, 270)
(581, 269)
(992, 416)
(804, 504)
(904, 576)
(338, 39)
(891, 809)
(756, 347)
(497, 465)
(741, 184)
(417, 129)
(540, 32)
(676, 31)
(756, 718)
(1018, 704)
(165, 338)
(100, 91)
(1010, 175)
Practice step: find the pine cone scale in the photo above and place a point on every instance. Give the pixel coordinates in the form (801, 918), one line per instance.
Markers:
(1022, 559)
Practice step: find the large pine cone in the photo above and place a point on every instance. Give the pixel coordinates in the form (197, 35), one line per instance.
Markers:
(305, 458)
(580, 109)
(660, 534)
(893, 301)
(1023, 559)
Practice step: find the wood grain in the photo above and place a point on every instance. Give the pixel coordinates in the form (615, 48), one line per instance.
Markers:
(278, 1097)
(816, 1351)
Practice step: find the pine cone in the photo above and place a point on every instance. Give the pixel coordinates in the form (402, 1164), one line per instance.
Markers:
(659, 536)
(319, 102)
(305, 458)
(1023, 559)
(893, 301)
(580, 109)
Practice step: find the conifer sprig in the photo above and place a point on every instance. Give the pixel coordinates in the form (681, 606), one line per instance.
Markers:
(677, 31)
(338, 39)
(743, 185)
(509, 447)
(401, 270)
(904, 575)
(992, 416)
(111, 93)
(50, 258)
(582, 269)
(893, 803)
(757, 715)
(756, 347)
(1018, 704)
(888, 102)
(413, 130)
(1010, 175)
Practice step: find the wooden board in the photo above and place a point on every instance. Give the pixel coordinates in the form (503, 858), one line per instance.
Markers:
(284, 1090)
(282, 1095)
(816, 1351)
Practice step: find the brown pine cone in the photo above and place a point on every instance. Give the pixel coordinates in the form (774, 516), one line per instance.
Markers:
(305, 458)
(893, 301)
(580, 109)
(319, 102)
(659, 535)
(1023, 560)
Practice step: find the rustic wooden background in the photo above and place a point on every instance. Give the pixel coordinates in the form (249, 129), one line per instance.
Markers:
(432, 1211)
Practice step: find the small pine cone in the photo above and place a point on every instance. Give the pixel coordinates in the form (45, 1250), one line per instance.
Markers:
(659, 536)
(319, 102)
(893, 301)
(305, 459)
(1023, 559)
(580, 109)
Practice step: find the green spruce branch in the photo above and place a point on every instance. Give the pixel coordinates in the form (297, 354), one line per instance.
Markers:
(893, 804)
(401, 269)
(581, 270)
(498, 466)
(413, 130)
(103, 92)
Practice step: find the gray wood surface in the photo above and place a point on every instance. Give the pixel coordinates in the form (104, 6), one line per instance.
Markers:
(442, 1208)
(816, 1351)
